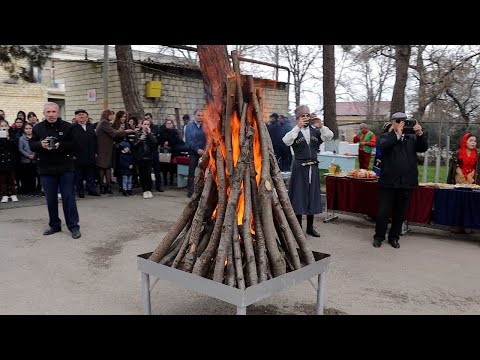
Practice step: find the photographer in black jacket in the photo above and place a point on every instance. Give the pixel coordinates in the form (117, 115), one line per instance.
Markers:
(52, 141)
(398, 177)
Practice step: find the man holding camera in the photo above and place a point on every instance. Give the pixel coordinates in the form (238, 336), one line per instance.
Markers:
(304, 189)
(52, 141)
(399, 175)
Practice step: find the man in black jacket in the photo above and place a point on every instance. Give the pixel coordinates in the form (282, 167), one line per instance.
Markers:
(84, 152)
(52, 141)
(398, 177)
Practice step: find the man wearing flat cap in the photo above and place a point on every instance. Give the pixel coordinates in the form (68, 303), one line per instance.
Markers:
(398, 177)
(84, 152)
(304, 190)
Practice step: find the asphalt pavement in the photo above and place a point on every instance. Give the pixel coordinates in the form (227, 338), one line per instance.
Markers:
(434, 271)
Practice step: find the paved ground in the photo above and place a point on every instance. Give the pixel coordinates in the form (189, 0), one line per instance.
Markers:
(432, 272)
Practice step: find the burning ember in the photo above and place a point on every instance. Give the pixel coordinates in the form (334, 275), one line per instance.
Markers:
(239, 227)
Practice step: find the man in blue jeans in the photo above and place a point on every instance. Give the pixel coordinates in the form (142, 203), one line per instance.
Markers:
(196, 141)
(52, 141)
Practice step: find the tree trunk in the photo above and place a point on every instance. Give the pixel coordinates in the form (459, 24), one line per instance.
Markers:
(402, 60)
(128, 81)
(329, 100)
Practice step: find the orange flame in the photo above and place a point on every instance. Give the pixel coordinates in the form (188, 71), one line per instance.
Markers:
(212, 127)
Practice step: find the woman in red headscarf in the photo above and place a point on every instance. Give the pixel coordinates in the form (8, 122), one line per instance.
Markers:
(463, 169)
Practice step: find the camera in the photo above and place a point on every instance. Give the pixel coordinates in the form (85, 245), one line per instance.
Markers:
(408, 127)
(52, 140)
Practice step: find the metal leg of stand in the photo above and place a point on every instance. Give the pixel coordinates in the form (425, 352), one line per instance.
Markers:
(147, 309)
(330, 217)
(321, 293)
(241, 310)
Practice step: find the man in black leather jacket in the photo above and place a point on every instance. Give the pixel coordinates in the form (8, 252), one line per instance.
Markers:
(52, 141)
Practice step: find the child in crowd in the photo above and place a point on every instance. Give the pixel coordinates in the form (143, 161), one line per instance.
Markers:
(127, 163)
(27, 169)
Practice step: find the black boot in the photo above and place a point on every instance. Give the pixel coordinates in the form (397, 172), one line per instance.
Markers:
(310, 230)
(108, 189)
(102, 189)
(124, 192)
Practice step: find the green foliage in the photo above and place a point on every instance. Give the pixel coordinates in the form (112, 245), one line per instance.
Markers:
(431, 173)
(36, 54)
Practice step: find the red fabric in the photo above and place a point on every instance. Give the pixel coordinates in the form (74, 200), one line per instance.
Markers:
(182, 160)
(466, 162)
(364, 159)
(361, 196)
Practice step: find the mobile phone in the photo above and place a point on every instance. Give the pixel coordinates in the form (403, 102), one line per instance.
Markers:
(3, 134)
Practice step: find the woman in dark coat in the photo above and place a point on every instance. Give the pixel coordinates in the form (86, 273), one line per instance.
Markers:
(105, 138)
(168, 140)
(120, 123)
(145, 148)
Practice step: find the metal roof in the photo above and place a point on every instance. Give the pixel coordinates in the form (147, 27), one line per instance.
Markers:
(359, 108)
(95, 53)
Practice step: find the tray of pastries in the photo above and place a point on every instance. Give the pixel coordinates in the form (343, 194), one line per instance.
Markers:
(362, 174)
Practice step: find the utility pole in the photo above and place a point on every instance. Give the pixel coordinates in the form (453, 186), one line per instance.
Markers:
(276, 62)
(105, 77)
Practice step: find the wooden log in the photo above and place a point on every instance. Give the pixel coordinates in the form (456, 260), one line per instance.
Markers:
(177, 243)
(252, 277)
(197, 224)
(284, 228)
(202, 263)
(288, 209)
(237, 256)
(186, 216)
(261, 249)
(243, 123)
(232, 203)
(172, 254)
(265, 190)
(259, 93)
(229, 267)
(238, 79)
(227, 122)
(181, 252)
(207, 233)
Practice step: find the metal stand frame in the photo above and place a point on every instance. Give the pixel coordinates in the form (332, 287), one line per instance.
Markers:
(231, 295)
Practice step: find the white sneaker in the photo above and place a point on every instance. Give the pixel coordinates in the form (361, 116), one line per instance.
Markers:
(14, 198)
(150, 195)
(145, 195)
(4, 199)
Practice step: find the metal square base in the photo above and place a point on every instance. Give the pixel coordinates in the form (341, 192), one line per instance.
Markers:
(231, 295)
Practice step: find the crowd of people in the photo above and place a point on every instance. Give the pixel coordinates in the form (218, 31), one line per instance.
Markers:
(59, 159)
(96, 150)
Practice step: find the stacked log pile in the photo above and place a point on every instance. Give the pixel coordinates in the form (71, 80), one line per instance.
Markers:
(239, 227)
